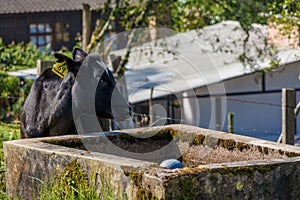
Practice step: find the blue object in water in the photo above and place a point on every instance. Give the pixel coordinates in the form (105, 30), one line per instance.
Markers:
(171, 164)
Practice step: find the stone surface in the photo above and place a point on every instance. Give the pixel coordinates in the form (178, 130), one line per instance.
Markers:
(216, 165)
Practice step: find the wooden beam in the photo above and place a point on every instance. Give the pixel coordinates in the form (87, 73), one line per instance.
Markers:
(218, 114)
(288, 116)
(42, 65)
(150, 107)
(230, 122)
(86, 25)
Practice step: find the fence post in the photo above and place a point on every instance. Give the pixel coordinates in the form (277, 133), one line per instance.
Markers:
(150, 107)
(288, 116)
(218, 113)
(42, 65)
(86, 25)
(230, 122)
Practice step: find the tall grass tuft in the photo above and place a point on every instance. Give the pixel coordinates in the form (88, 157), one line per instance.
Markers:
(7, 132)
(71, 184)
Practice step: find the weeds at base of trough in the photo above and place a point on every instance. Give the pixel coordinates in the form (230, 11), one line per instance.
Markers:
(73, 184)
(7, 132)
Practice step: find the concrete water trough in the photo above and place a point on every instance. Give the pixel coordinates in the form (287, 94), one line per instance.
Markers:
(217, 165)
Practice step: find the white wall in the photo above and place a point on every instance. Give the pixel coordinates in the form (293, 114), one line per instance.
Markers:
(256, 115)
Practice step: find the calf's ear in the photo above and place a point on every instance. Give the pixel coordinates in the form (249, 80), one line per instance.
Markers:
(79, 54)
(60, 57)
(71, 64)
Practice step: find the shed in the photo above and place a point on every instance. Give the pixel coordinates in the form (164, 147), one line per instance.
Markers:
(54, 23)
(202, 79)
(199, 79)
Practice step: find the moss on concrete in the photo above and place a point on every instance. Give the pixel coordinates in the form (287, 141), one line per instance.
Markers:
(74, 173)
(248, 170)
(239, 186)
(228, 144)
(170, 131)
(136, 177)
(142, 193)
(70, 142)
(266, 150)
(242, 146)
(199, 139)
(188, 187)
(291, 154)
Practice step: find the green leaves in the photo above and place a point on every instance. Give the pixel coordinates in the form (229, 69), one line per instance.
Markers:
(19, 56)
(192, 14)
(285, 13)
(15, 57)
(185, 15)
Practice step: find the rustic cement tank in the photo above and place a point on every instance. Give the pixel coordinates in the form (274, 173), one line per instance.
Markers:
(217, 165)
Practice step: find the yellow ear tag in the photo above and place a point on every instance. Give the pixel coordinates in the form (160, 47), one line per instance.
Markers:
(60, 69)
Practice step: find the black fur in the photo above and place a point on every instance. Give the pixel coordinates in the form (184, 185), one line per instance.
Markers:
(48, 108)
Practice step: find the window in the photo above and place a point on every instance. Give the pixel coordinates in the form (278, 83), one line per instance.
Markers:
(62, 33)
(45, 34)
(41, 35)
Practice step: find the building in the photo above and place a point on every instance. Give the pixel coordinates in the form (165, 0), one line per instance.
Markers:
(54, 23)
(198, 79)
(204, 80)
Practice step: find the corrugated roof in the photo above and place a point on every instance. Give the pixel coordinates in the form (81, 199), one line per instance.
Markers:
(197, 61)
(202, 57)
(34, 6)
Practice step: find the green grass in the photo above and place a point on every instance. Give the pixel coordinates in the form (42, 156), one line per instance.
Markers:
(7, 132)
(71, 184)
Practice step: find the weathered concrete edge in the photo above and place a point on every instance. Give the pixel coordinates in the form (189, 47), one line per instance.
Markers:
(57, 157)
(163, 174)
(187, 129)
(234, 137)
(272, 179)
(40, 145)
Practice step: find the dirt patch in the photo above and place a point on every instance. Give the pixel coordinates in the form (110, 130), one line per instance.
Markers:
(201, 154)
(141, 145)
(200, 151)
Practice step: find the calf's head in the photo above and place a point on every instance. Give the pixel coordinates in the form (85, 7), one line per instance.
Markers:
(72, 65)
(47, 109)
(82, 83)
(95, 92)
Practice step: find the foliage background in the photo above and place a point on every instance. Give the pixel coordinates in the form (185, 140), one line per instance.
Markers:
(12, 92)
(178, 15)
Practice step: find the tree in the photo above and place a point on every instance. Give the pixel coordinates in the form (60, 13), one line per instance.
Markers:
(185, 15)
(285, 13)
